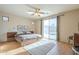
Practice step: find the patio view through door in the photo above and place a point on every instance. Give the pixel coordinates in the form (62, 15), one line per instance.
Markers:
(50, 28)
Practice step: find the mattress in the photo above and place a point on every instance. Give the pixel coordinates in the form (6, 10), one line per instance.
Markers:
(29, 36)
(20, 38)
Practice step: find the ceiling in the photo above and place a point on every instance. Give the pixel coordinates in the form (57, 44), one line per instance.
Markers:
(21, 9)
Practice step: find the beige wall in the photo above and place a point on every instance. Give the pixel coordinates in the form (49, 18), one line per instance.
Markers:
(68, 25)
(3, 30)
(14, 21)
(38, 26)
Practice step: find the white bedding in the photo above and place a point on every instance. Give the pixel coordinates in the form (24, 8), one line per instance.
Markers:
(26, 37)
(30, 36)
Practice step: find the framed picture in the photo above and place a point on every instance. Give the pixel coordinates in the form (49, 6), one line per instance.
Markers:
(5, 18)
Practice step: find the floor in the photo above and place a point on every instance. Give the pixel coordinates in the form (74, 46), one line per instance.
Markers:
(7, 46)
(59, 49)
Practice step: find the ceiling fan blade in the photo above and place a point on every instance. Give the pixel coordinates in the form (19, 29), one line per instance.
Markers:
(30, 12)
(32, 7)
(43, 12)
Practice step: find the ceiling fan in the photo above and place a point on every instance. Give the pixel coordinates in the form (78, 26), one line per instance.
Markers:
(37, 11)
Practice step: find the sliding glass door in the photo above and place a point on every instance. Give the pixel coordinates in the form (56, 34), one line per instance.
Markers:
(50, 28)
(46, 28)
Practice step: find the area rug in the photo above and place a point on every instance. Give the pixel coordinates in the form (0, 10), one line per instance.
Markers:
(40, 48)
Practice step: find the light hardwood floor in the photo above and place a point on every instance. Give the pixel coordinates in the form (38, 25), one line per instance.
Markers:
(60, 48)
(7, 46)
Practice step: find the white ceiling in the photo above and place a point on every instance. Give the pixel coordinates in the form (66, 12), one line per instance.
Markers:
(21, 9)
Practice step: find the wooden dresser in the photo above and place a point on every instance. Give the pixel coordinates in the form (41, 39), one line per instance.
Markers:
(11, 36)
(76, 39)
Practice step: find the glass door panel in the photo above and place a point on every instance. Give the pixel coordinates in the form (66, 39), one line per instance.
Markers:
(50, 28)
(46, 28)
(53, 28)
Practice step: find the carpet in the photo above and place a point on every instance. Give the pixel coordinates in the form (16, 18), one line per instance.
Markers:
(40, 48)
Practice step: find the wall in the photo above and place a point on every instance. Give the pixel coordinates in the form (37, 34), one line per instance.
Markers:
(38, 26)
(68, 25)
(16, 20)
(11, 25)
(3, 29)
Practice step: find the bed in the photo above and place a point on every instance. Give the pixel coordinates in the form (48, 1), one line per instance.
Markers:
(29, 38)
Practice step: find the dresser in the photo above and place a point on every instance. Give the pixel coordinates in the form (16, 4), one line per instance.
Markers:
(11, 36)
(75, 47)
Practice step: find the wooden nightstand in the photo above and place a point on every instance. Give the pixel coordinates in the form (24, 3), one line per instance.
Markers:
(11, 36)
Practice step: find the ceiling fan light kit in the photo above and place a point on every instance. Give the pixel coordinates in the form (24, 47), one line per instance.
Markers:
(37, 14)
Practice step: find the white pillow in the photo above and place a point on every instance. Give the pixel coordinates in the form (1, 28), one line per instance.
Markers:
(19, 32)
